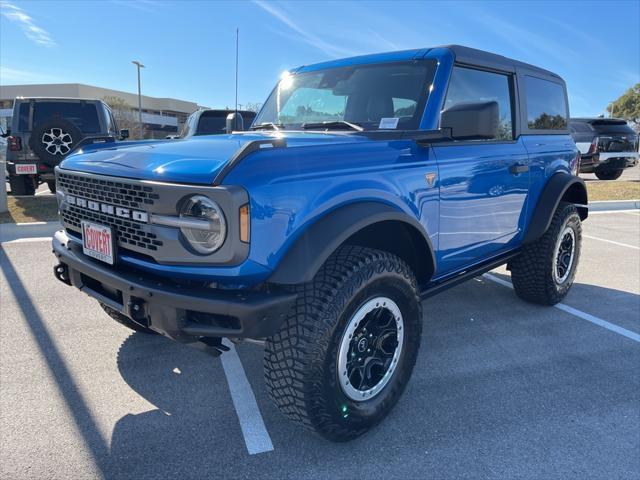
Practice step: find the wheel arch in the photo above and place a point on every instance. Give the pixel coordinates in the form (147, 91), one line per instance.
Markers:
(561, 187)
(367, 224)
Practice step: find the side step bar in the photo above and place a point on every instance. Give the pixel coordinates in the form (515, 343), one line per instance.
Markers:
(436, 287)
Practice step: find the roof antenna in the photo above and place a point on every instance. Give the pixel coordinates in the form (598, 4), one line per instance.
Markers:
(236, 109)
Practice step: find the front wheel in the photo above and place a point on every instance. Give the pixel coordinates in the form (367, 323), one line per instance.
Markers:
(343, 357)
(608, 174)
(544, 272)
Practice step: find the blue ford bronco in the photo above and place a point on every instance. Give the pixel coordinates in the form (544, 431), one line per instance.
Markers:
(364, 186)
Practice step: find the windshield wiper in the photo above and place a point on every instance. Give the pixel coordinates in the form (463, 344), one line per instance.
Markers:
(268, 126)
(335, 124)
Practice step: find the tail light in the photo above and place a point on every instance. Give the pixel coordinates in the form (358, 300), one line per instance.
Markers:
(15, 143)
(575, 165)
(593, 148)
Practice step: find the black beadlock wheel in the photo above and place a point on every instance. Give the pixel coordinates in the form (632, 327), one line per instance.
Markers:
(124, 320)
(342, 358)
(604, 174)
(544, 272)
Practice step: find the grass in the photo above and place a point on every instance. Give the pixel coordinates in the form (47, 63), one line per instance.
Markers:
(613, 190)
(41, 208)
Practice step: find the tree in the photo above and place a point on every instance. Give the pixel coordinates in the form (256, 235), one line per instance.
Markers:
(124, 115)
(253, 106)
(627, 106)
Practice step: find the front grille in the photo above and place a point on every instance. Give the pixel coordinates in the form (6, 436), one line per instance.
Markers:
(127, 232)
(118, 193)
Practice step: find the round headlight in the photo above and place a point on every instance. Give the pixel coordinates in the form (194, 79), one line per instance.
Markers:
(207, 236)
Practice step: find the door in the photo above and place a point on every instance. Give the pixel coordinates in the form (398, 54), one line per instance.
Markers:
(483, 183)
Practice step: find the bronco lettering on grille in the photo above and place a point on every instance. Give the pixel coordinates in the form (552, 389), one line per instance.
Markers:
(135, 215)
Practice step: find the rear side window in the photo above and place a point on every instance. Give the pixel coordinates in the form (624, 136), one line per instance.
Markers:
(83, 115)
(23, 117)
(476, 86)
(546, 105)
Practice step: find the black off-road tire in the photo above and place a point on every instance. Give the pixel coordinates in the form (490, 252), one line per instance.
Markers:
(604, 174)
(300, 362)
(532, 270)
(52, 185)
(124, 320)
(22, 185)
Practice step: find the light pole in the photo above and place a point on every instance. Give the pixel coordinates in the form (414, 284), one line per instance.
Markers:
(139, 65)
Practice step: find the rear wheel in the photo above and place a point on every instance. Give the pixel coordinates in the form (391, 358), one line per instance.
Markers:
(544, 272)
(22, 185)
(124, 320)
(52, 185)
(604, 174)
(341, 360)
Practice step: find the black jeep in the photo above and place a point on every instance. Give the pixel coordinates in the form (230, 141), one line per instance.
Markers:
(46, 130)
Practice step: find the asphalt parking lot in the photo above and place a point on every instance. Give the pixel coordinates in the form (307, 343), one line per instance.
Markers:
(501, 389)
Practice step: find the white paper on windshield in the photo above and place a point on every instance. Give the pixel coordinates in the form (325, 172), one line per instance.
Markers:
(388, 123)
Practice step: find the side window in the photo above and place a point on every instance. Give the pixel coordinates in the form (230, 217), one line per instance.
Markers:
(23, 117)
(404, 107)
(546, 105)
(471, 86)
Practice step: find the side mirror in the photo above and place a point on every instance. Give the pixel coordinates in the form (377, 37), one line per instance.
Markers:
(472, 121)
(234, 122)
(124, 134)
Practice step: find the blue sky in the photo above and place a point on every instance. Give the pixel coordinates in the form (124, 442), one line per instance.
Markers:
(188, 46)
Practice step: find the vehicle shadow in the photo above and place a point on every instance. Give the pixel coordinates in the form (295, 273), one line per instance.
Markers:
(193, 423)
(487, 385)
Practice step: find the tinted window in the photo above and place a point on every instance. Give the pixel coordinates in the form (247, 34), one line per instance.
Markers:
(475, 86)
(361, 94)
(577, 127)
(546, 105)
(83, 115)
(613, 127)
(23, 117)
(212, 123)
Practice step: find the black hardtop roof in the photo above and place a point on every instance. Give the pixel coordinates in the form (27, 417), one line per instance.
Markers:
(473, 56)
(57, 99)
(225, 110)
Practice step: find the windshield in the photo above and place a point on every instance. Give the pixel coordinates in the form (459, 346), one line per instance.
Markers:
(383, 96)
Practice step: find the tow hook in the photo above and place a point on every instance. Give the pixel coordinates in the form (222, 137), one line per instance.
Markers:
(137, 311)
(61, 271)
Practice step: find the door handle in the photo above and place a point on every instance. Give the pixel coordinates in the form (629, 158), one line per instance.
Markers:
(518, 168)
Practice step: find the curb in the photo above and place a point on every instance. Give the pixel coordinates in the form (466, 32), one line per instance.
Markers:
(614, 205)
(14, 231)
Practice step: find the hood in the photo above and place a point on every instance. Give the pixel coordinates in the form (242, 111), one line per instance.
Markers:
(195, 160)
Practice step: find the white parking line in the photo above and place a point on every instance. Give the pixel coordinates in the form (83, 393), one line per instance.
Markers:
(611, 241)
(256, 437)
(28, 240)
(578, 313)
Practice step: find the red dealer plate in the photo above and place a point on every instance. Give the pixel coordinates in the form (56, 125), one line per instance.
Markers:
(26, 169)
(97, 242)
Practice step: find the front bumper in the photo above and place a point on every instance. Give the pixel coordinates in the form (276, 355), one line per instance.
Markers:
(186, 314)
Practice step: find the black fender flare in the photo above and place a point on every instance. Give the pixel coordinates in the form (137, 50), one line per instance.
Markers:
(304, 258)
(561, 186)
